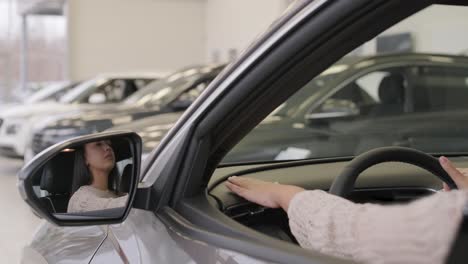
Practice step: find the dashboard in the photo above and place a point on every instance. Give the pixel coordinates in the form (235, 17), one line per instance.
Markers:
(385, 183)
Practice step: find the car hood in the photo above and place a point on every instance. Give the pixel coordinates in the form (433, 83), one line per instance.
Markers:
(46, 108)
(7, 106)
(100, 117)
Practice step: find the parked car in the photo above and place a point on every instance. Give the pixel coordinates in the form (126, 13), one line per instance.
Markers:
(178, 208)
(355, 106)
(16, 122)
(171, 94)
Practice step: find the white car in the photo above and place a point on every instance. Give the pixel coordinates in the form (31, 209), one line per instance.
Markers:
(16, 123)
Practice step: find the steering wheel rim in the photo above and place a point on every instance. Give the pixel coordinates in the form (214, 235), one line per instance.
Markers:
(343, 185)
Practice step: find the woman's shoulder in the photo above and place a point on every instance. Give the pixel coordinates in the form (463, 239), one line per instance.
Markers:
(87, 189)
(83, 192)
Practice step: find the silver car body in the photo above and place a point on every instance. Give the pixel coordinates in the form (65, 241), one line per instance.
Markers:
(142, 238)
(155, 237)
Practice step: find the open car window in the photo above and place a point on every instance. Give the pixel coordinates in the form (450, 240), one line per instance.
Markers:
(381, 94)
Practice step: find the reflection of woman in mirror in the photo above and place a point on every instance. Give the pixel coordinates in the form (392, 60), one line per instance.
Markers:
(93, 180)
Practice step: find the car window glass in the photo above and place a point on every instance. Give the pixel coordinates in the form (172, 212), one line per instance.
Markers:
(440, 88)
(116, 90)
(84, 88)
(52, 92)
(370, 83)
(406, 87)
(376, 93)
(156, 91)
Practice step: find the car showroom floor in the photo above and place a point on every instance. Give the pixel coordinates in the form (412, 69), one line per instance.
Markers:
(17, 222)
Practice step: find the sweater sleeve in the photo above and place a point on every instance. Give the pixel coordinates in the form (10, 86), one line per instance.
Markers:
(419, 232)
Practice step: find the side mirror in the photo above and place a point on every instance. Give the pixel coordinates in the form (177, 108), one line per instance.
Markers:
(181, 105)
(333, 109)
(88, 180)
(97, 98)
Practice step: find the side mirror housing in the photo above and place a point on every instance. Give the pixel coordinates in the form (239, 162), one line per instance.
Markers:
(52, 183)
(181, 105)
(97, 98)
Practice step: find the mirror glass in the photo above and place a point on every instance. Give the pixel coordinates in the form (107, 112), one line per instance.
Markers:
(90, 179)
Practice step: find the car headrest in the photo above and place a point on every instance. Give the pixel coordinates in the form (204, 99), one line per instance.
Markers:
(126, 178)
(392, 89)
(122, 149)
(57, 174)
(130, 88)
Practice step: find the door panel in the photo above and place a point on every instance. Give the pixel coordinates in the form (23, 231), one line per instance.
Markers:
(67, 244)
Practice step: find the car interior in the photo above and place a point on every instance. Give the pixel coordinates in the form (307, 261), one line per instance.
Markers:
(386, 183)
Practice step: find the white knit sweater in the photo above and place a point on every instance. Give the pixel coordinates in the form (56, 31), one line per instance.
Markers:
(418, 232)
(88, 198)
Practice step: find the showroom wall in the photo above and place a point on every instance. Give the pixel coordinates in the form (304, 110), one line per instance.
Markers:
(164, 35)
(421, 27)
(231, 25)
(145, 35)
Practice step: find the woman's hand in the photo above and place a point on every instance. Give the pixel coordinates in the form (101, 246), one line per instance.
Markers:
(272, 195)
(459, 176)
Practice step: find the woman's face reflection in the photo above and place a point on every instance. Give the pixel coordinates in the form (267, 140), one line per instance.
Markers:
(99, 155)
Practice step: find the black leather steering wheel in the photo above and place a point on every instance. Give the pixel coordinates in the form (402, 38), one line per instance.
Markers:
(343, 185)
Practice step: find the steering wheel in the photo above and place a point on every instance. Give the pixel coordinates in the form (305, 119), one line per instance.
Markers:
(343, 185)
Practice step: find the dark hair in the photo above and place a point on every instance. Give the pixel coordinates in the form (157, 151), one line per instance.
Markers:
(82, 176)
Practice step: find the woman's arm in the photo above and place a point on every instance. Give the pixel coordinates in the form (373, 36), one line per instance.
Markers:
(419, 232)
(268, 194)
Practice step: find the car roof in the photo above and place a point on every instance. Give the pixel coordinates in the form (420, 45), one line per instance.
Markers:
(394, 57)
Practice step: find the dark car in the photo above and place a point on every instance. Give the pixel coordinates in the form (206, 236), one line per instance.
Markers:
(178, 207)
(171, 94)
(350, 108)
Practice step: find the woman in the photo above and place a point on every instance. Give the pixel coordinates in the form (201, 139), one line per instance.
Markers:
(94, 177)
(419, 232)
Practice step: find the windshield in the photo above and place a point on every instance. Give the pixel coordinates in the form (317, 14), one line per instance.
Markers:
(156, 92)
(76, 93)
(51, 92)
(394, 90)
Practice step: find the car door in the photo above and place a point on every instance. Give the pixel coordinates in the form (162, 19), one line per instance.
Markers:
(81, 243)
(142, 238)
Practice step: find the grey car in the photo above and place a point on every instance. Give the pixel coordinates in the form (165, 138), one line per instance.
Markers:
(179, 210)
(355, 106)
